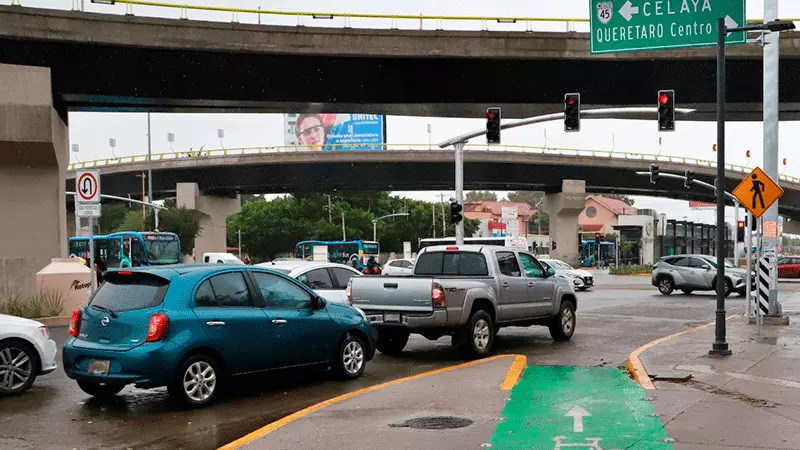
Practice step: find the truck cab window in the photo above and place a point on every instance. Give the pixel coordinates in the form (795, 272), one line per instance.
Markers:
(508, 265)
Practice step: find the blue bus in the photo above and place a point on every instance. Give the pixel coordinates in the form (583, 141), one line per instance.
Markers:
(344, 252)
(130, 248)
(589, 248)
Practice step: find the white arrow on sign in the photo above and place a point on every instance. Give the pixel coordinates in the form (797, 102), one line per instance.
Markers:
(577, 413)
(730, 23)
(628, 10)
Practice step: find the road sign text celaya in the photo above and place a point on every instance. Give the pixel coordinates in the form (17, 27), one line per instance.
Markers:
(625, 25)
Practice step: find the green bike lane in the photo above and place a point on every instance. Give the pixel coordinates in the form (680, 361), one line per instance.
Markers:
(600, 408)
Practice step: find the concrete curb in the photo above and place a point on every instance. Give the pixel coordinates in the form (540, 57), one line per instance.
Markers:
(637, 370)
(54, 322)
(513, 376)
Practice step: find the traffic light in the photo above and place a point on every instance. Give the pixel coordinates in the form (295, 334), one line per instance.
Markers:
(455, 212)
(493, 125)
(554, 245)
(689, 179)
(597, 239)
(653, 173)
(740, 231)
(572, 112)
(666, 110)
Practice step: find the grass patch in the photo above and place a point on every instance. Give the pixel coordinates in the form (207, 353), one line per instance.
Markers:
(631, 270)
(44, 304)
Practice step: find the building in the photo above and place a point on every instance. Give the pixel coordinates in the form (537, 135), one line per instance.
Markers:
(601, 214)
(491, 216)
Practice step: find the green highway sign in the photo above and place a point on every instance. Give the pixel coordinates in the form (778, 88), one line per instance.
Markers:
(633, 25)
(562, 407)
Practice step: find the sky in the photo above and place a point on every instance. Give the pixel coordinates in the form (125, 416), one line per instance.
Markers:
(91, 131)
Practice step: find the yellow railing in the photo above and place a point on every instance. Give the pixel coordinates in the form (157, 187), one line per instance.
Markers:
(555, 151)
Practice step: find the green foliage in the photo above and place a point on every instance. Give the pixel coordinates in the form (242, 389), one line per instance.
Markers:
(44, 304)
(183, 222)
(622, 197)
(134, 221)
(113, 216)
(631, 270)
(477, 196)
(535, 199)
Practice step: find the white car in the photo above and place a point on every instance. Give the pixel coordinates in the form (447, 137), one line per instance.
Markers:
(327, 279)
(580, 279)
(221, 258)
(26, 351)
(398, 267)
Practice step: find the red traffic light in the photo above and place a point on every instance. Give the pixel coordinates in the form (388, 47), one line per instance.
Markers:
(490, 115)
(570, 100)
(740, 224)
(663, 99)
(597, 235)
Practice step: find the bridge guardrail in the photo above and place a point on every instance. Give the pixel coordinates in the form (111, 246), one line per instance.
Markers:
(556, 151)
(394, 21)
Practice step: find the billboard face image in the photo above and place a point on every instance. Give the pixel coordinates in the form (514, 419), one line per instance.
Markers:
(334, 132)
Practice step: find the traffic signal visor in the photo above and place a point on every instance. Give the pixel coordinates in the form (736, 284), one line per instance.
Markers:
(666, 110)
(572, 112)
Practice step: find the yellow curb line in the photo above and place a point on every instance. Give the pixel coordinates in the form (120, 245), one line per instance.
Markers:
(512, 377)
(635, 366)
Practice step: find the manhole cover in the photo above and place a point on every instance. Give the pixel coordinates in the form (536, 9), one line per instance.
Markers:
(434, 423)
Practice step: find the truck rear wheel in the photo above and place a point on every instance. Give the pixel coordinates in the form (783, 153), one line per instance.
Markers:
(391, 342)
(562, 326)
(480, 332)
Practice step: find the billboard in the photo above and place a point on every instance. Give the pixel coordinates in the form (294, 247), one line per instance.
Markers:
(335, 132)
(701, 205)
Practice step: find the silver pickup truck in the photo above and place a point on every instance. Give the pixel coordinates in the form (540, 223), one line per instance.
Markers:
(468, 292)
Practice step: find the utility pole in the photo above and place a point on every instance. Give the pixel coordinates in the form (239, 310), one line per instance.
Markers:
(144, 207)
(459, 157)
(444, 223)
(344, 233)
(150, 171)
(330, 218)
(433, 219)
(239, 233)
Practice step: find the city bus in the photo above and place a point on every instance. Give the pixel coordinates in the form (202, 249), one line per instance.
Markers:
(130, 248)
(589, 248)
(508, 241)
(343, 252)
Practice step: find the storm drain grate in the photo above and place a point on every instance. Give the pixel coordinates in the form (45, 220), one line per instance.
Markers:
(434, 423)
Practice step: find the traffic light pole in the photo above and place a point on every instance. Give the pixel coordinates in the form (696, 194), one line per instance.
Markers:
(459, 157)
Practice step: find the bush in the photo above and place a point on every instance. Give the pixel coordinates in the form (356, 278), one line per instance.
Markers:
(631, 270)
(43, 304)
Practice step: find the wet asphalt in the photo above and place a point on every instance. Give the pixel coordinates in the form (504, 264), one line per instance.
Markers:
(615, 317)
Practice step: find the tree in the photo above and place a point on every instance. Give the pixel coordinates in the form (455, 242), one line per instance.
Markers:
(477, 196)
(134, 221)
(621, 197)
(535, 199)
(184, 222)
(113, 216)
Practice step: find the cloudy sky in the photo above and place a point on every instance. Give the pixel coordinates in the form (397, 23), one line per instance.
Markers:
(92, 131)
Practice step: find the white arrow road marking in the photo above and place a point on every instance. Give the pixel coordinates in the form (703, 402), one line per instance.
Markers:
(628, 10)
(730, 23)
(577, 413)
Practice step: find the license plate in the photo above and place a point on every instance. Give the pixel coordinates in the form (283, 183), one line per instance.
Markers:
(97, 367)
(391, 317)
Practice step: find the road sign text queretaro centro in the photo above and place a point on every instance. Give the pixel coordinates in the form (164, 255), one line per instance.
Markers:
(631, 25)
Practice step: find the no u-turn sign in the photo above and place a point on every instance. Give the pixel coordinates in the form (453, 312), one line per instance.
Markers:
(87, 187)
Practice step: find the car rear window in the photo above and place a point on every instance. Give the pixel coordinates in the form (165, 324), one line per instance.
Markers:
(451, 263)
(128, 291)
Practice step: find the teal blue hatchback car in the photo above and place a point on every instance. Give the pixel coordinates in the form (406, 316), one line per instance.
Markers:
(192, 327)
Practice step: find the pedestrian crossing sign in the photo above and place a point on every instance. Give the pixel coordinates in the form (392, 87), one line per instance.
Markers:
(757, 192)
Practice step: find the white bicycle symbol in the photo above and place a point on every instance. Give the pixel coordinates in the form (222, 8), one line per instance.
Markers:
(590, 443)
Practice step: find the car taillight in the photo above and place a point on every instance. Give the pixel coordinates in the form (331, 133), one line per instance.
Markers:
(437, 296)
(348, 291)
(159, 325)
(75, 323)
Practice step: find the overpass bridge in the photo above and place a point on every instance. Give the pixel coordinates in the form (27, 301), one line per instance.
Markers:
(211, 181)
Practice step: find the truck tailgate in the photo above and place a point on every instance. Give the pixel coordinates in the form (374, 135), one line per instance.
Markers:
(402, 294)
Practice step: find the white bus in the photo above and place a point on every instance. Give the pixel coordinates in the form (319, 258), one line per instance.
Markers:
(517, 242)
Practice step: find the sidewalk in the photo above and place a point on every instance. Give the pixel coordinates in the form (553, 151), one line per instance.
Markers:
(420, 412)
(750, 399)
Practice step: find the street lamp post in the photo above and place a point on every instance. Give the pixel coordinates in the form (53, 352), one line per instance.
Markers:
(112, 143)
(221, 136)
(720, 346)
(150, 171)
(375, 223)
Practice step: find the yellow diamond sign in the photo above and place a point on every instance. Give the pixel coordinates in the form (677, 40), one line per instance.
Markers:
(757, 192)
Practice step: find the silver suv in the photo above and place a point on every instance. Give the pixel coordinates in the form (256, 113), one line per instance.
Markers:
(696, 273)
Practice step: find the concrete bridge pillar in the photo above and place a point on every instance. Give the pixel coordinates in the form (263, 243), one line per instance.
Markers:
(563, 209)
(215, 212)
(34, 157)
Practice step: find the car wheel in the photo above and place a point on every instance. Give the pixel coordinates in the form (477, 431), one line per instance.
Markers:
(18, 367)
(100, 390)
(391, 342)
(351, 358)
(479, 335)
(687, 291)
(728, 287)
(562, 326)
(666, 285)
(196, 382)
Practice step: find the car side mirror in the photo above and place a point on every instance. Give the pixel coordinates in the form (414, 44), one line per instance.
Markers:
(317, 303)
(707, 267)
(550, 272)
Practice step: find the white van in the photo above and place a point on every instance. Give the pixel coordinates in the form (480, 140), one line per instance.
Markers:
(221, 258)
